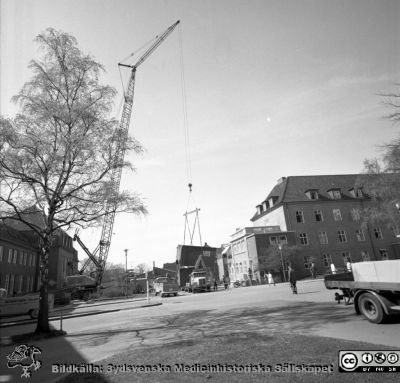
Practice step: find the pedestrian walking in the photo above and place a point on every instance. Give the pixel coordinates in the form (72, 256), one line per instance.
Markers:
(270, 279)
(215, 285)
(226, 282)
(292, 279)
(312, 270)
(333, 268)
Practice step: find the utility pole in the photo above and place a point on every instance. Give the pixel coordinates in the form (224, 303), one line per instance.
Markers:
(126, 273)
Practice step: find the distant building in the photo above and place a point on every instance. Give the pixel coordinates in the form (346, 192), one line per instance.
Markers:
(188, 255)
(18, 262)
(248, 245)
(63, 258)
(324, 213)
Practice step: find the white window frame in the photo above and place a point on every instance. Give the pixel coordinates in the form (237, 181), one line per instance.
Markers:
(318, 213)
(323, 237)
(342, 235)
(337, 215)
(327, 258)
(384, 254)
(303, 239)
(378, 233)
(365, 256)
(360, 235)
(299, 215)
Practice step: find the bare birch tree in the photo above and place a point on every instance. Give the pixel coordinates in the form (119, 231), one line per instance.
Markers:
(56, 154)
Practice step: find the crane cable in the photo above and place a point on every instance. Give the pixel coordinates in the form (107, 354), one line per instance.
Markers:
(185, 119)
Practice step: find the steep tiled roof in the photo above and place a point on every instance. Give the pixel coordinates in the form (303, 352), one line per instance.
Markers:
(294, 188)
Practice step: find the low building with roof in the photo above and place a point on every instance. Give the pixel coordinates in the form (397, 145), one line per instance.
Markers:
(187, 256)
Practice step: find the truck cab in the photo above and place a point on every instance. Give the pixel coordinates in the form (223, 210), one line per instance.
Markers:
(200, 281)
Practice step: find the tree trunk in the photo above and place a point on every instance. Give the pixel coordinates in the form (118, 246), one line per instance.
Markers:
(43, 318)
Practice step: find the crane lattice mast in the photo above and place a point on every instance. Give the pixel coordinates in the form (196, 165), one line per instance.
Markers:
(121, 135)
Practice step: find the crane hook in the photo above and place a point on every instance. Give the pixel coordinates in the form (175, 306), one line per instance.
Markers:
(190, 187)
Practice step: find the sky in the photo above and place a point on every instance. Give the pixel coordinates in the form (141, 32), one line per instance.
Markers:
(271, 88)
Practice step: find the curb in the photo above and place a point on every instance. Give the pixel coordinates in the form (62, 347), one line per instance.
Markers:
(55, 318)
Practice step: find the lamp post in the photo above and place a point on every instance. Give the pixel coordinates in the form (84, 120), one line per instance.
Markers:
(283, 265)
(126, 273)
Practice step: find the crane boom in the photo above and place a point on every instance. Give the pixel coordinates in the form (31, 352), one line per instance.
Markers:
(121, 135)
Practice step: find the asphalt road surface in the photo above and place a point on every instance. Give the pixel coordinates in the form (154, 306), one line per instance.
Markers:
(191, 326)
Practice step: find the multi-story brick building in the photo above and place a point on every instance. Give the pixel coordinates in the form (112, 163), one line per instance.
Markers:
(18, 262)
(20, 271)
(324, 213)
(249, 244)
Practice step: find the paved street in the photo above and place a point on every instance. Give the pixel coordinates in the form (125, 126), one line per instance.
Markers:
(235, 326)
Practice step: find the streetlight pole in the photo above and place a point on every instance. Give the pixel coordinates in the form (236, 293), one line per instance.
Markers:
(283, 265)
(126, 273)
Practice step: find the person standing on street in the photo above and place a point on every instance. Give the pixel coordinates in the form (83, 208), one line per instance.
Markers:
(333, 268)
(292, 279)
(270, 279)
(312, 270)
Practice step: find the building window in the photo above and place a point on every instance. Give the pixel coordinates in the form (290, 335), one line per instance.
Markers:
(307, 261)
(365, 256)
(337, 215)
(283, 239)
(20, 279)
(327, 258)
(299, 216)
(323, 237)
(312, 194)
(273, 240)
(10, 255)
(15, 258)
(342, 236)
(378, 233)
(1, 253)
(21, 257)
(383, 253)
(25, 257)
(360, 235)
(355, 214)
(318, 215)
(11, 286)
(346, 257)
(359, 193)
(303, 238)
(335, 194)
(395, 232)
(7, 282)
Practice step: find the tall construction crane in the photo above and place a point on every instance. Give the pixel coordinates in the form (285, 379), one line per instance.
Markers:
(121, 135)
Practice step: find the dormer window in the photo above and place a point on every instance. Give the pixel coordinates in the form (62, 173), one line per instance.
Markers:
(271, 202)
(356, 193)
(312, 194)
(335, 193)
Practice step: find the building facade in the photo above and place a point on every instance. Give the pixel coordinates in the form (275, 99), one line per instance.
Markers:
(324, 213)
(18, 262)
(249, 244)
(19, 259)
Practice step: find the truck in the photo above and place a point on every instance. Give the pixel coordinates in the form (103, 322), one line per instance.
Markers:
(373, 287)
(165, 286)
(27, 304)
(200, 281)
(79, 286)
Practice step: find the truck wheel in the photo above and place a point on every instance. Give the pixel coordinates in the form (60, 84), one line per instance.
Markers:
(371, 308)
(34, 313)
